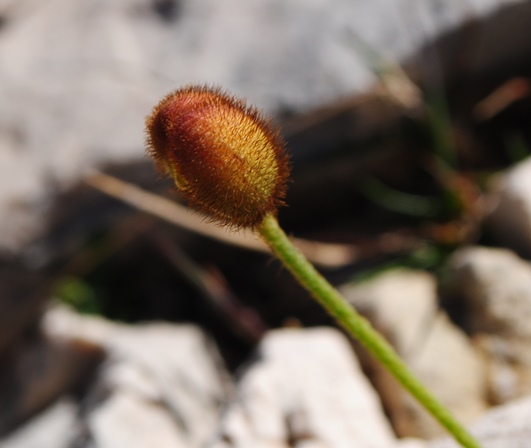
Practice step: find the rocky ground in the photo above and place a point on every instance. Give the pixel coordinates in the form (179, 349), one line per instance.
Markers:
(120, 330)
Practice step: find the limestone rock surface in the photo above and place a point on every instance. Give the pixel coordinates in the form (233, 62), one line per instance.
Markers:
(55, 427)
(402, 304)
(510, 217)
(159, 385)
(304, 389)
(495, 287)
(502, 427)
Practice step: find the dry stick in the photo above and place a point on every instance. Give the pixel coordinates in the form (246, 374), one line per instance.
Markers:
(358, 326)
(324, 254)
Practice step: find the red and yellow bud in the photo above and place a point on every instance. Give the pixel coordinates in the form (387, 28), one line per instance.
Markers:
(226, 159)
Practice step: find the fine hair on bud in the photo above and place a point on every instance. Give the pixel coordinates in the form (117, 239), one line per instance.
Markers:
(225, 158)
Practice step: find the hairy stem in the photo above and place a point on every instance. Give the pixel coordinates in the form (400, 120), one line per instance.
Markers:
(357, 326)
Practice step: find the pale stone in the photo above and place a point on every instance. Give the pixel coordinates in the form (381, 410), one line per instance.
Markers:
(41, 370)
(55, 427)
(496, 287)
(454, 371)
(134, 421)
(502, 427)
(510, 217)
(304, 389)
(402, 304)
(162, 384)
(411, 443)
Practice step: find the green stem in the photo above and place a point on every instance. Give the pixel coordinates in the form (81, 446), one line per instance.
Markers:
(358, 326)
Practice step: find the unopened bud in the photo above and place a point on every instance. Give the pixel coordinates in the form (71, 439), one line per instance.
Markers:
(226, 159)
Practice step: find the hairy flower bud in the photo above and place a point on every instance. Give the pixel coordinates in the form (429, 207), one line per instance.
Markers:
(225, 158)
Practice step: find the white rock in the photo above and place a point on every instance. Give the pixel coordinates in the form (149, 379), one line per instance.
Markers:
(162, 385)
(496, 287)
(454, 371)
(503, 427)
(132, 420)
(510, 218)
(403, 305)
(304, 389)
(39, 371)
(165, 390)
(508, 367)
(55, 427)
(411, 443)
(401, 302)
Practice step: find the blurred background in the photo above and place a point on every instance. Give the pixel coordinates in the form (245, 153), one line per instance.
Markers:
(408, 127)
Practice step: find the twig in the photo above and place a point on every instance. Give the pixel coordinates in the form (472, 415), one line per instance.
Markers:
(325, 254)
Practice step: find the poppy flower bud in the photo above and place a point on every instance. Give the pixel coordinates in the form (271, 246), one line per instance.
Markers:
(226, 160)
